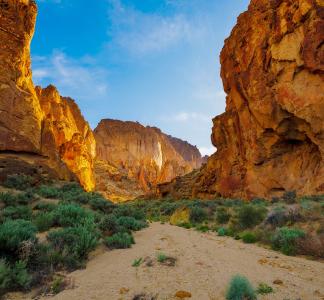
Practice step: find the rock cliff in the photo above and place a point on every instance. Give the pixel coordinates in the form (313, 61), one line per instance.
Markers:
(145, 153)
(271, 137)
(40, 131)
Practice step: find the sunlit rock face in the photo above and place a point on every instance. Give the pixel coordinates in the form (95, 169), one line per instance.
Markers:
(20, 113)
(271, 137)
(41, 133)
(66, 135)
(148, 155)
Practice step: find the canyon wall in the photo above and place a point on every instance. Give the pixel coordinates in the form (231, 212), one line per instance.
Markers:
(40, 131)
(145, 153)
(271, 137)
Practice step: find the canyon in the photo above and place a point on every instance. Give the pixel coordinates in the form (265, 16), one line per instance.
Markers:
(270, 139)
(144, 155)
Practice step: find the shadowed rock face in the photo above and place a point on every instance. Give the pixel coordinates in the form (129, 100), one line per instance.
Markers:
(40, 131)
(148, 155)
(271, 137)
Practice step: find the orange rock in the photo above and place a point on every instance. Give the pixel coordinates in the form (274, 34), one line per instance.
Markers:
(145, 153)
(41, 133)
(183, 294)
(271, 137)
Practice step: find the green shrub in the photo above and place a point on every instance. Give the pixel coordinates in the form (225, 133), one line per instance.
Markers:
(137, 262)
(249, 237)
(5, 279)
(197, 214)
(97, 202)
(222, 231)
(131, 223)
(161, 257)
(202, 228)
(264, 289)
(13, 233)
(19, 182)
(250, 215)
(285, 240)
(17, 212)
(222, 215)
(73, 244)
(167, 208)
(289, 197)
(69, 215)
(49, 191)
(19, 276)
(108, 223)
(240, 288)
(120, 240)
(26, 198)
(8, 199)
(44, 221)
(44, 206)
(125, 210)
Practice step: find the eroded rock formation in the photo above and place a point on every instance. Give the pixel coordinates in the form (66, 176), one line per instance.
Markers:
(271, 137)
(40, 131)
(144, 153)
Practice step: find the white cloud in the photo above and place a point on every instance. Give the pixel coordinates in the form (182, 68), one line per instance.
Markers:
(190, 116)
(143, 33)
(207, 150)
(72, 77)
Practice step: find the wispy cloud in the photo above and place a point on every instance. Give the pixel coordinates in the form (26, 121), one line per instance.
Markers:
(144, 33)
(189, 116)
(76, 78)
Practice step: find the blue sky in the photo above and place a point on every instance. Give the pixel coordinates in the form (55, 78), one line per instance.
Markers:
(152, 61)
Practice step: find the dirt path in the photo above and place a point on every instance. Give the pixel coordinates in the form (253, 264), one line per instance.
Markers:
(205, 264)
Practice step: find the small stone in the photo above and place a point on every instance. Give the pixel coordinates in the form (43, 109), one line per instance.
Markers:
(183, 294)
(278, 281)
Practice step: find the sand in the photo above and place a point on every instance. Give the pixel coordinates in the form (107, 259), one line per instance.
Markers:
(205, 263)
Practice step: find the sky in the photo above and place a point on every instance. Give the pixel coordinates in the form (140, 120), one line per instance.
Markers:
(151, 61)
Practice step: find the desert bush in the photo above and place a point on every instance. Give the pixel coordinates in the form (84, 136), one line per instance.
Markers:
(289, 197)
(8, 199)
(161, 257)
(264, 289)
(19, 182)
(197, 214)
(5, 280)
(249, 237)
(19, 276)
(276, 218)
(69, 215)
(240, 288)
(202, 228)
(167, 208)
(97, 202)
(17, 212)
(285, 240)
(120, 240)
(47, 191)
(222, 231)
(222, 215)
(44, 206)
(73, 244)
(131, 223)
(26, 198)
(249, 215)
(312, 245)
(124, 210)
(137, 262)
(14, 277)
(108, 223)
(13, 233)
(44, 221)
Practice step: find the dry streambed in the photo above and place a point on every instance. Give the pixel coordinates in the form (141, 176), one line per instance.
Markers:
(204, 265)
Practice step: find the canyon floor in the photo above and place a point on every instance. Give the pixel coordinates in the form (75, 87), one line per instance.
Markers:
(205, 263)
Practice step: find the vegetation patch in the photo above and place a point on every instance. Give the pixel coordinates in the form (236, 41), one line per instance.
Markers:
(240, 288)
